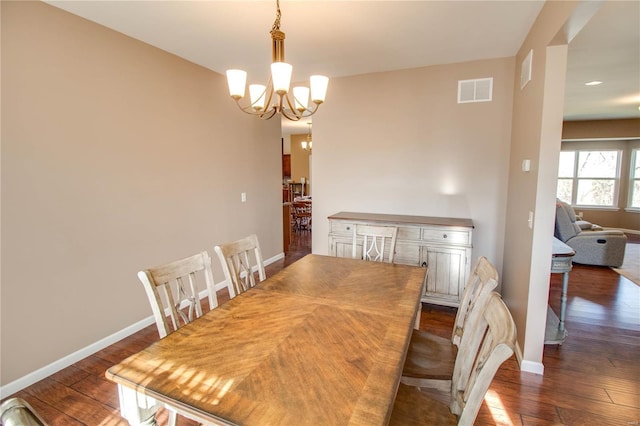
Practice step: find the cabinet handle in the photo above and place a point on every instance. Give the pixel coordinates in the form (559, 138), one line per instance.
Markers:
(348, 228)
(444, 235)
(424, 264)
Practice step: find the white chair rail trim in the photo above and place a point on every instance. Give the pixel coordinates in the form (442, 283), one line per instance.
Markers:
(66, 361)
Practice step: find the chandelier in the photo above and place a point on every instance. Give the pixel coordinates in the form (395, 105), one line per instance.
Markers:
(267, 101)
(307, 145)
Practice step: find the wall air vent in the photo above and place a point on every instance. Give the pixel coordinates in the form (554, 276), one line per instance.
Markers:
(478, 90)
(525, 70)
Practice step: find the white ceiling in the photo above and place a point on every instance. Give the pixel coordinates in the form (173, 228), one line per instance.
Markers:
(607, 50)
(340, 38)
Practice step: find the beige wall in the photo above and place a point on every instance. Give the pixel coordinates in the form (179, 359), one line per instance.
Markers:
(536, 135)
(595, 129)
(116, 156)
(408, 147)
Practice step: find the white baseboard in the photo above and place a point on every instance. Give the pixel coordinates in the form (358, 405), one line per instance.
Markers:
(64, 362)
(528, 366)
(532, 367)
(54, 367)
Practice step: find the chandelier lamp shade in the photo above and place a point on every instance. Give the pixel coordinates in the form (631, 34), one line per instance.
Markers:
(265, 101)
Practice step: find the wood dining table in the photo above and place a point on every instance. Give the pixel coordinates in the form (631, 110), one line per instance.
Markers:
(322, 342)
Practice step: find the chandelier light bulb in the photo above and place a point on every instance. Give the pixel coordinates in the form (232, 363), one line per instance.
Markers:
(319, 85)
(236, 79)
(301, 98)
(281, 77)
(257, 94)
(306, 145)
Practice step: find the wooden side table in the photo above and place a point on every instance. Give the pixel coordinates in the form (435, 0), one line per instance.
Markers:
(561, 263)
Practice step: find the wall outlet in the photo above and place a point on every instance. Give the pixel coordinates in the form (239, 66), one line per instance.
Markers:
(243, 197)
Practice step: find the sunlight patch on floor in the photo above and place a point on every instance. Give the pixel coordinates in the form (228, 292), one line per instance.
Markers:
(582, 304)
(498, 412)
(115, 420)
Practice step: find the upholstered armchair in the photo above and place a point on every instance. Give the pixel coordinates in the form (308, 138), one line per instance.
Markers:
(601, 248)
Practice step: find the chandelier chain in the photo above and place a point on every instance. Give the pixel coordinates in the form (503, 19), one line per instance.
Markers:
(276, 23)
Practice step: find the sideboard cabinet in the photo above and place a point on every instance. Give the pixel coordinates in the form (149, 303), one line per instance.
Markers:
(442, 245)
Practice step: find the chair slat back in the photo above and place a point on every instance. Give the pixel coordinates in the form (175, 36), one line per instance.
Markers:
(376, 240)
(173, 287)
(485, 345)
(482, 281)
(235, 259)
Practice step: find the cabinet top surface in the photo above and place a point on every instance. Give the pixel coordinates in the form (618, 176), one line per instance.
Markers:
(404, 219)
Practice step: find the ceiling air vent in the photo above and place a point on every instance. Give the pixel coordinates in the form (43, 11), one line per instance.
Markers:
(478, 90)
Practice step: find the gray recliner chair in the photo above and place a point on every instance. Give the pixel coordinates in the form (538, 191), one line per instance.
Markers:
(600, 248)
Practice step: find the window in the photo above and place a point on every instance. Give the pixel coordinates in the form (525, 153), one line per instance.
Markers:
(589, 178)
(634, 181)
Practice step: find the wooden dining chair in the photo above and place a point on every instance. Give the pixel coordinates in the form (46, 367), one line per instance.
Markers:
(235, 259)
(485, 345)
(431, 358)
(173, 289)
(301, 215)
(378, 241)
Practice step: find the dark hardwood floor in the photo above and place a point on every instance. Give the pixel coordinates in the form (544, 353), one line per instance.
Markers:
(592, 379)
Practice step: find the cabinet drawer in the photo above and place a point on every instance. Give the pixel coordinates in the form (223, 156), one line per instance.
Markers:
(445, 236)
(408, 233)
(341, 227)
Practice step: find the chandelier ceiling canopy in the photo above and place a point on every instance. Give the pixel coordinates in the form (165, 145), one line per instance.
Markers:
(275, 97)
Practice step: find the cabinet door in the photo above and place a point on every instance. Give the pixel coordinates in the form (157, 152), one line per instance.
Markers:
(447, 274)
(286, 165)
(340, 246)
(407, 253)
